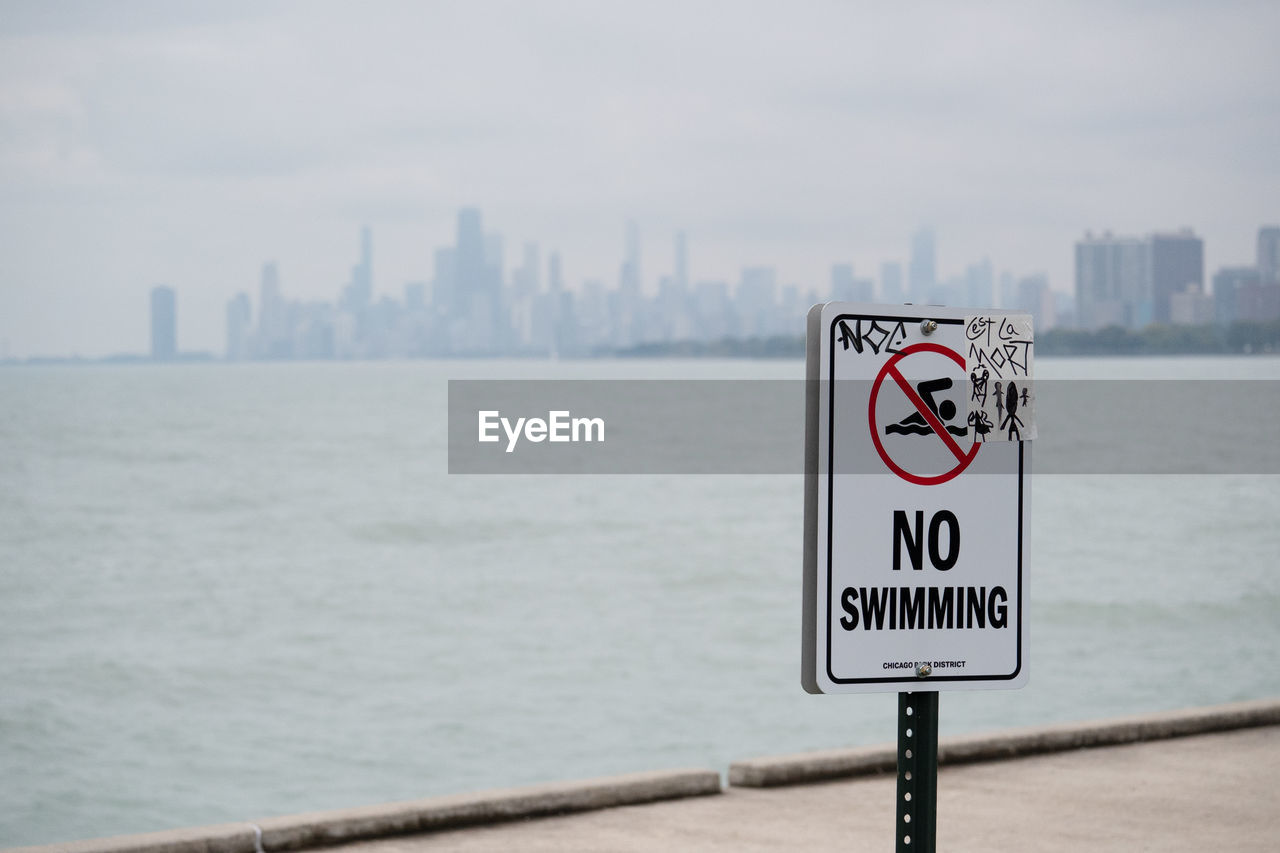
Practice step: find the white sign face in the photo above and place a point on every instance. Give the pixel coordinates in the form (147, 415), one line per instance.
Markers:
(915, 534)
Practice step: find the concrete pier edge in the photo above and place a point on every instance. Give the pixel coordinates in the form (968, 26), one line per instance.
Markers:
(295, 832)
(826, 765)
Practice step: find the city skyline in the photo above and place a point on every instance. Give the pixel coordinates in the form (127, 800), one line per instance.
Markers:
(150, 143)
(658, 254)
(668, 302)
(476, 303)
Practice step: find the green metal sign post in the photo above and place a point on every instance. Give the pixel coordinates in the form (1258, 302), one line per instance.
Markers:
(915, 830)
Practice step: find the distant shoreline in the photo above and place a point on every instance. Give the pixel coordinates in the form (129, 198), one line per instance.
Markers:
(1261, 338)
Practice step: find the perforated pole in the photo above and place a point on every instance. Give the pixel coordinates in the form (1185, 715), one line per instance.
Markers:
(915, 829)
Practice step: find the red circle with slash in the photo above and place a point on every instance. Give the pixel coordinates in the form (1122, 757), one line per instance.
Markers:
(890, 370)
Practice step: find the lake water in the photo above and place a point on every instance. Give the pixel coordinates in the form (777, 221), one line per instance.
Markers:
(234, 591)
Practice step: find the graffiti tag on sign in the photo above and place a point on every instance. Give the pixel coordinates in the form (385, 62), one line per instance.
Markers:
(1000, 361)
(870, 335)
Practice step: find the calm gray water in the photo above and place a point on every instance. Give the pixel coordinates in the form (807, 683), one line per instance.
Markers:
(233, 591)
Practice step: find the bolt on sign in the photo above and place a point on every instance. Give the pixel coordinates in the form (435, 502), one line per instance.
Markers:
(917, 498)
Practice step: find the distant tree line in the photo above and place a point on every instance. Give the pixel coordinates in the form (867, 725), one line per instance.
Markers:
(777, 346)
(1209, 339)
(1159, 339)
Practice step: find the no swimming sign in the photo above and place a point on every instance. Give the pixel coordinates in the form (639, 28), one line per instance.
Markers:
(917, 499)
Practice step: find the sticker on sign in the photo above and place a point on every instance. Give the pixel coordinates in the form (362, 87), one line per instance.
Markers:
(1000, 363)
(916, 521)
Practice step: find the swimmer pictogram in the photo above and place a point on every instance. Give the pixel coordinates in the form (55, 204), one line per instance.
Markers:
(930, 415)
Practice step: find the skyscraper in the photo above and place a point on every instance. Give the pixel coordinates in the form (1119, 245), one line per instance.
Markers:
(477, 321)
(630, 311)
(1113, 283)
(468, 258)
(672, 320)
(923, 271)
(845, 287)
(1177, 261)
(366, 258)
(528, 280)
(560, 312)
(757, 301)
(1035, 298)
(358, 294)
(631, 280)
(891, 282)
(979, 284)
(444, 284)
(239, 318)
(274, 331)
(523, 294)
(842, 283)
(1241, 294)
(555, 278)
(164, 324)
(1269, 254)
(1191, 307)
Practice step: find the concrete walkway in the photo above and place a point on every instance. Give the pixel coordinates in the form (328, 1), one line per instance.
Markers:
(1196, 779)
(1202, 793)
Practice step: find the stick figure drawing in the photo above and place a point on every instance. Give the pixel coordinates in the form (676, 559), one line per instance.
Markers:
(1011, 418)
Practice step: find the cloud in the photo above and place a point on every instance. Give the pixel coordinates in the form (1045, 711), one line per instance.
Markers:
(122, 17)
(794, 135)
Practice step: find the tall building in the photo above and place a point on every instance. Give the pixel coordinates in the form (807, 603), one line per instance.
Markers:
(523, 294)
(1241, 295)
(1177, 262)
(631, 280)
(846, 287)
(1131, 281)
(757, 301)
(1269, 253)
(713, 310)
(922, 274)
(1112, 282)
(891, 282)
(469, 255)
(555, 274)
(554, 320)
(366, 259)
(444, 283)
(469, 248)
(1009, 288)
(358, 294)
(415, 295)
(477, 319)
(527, 281)
(592, 310)
(630, 312)
(275, 333)
(1035, 298)
(239, 326)
(979, 284)
(469, 262)
(682, 262)
(1191, 307)
(672, 311)
(164, 324)
(842, 283)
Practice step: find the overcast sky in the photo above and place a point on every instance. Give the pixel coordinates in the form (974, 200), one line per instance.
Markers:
(145, 143)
